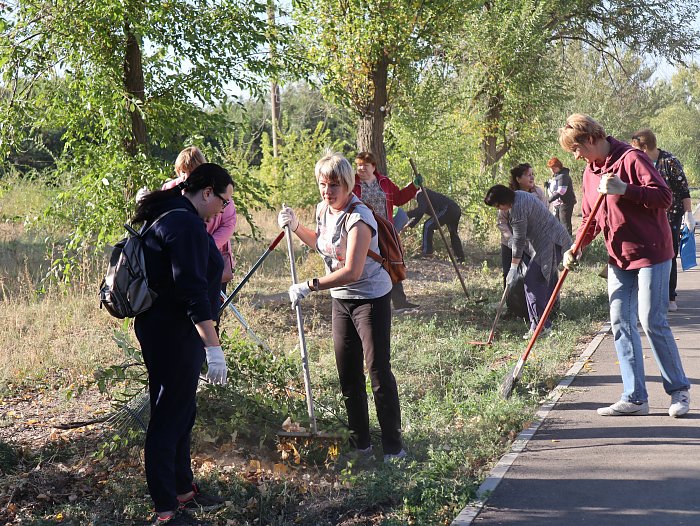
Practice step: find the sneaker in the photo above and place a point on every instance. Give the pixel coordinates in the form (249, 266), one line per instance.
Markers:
(391, 457)
(544, 333)
(356, 457)
(179, 518)
(401, 307)
(622, 408)
(680, 403)
(201, 501)
(672, 306)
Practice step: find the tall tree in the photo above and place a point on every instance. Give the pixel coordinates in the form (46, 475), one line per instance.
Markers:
(509, 54)
(365, 51)
(131, 70)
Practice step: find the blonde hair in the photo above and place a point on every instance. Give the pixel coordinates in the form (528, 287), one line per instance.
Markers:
(335, 168)
(579, 128)
(188, 159)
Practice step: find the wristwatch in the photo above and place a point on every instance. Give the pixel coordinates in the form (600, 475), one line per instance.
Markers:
(314, 285)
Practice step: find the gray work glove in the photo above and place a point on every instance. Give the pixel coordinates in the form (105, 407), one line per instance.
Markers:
(216, 365)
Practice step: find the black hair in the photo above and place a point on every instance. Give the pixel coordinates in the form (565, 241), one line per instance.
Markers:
(204, 176)
(516, 172)
(499, 195)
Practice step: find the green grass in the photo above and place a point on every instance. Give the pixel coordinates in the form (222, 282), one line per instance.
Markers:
(455, 424)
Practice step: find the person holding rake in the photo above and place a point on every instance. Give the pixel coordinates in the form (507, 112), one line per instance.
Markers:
(638, 238)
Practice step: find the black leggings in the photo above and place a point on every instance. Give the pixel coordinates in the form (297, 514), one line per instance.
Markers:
(362, 334)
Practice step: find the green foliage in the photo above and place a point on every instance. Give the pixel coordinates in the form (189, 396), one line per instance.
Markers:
(291, 175)
(676, 123)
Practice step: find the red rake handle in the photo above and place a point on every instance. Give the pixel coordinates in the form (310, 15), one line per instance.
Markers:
(560, 282)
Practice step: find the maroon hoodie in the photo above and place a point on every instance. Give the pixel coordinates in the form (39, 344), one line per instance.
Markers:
(634, 225)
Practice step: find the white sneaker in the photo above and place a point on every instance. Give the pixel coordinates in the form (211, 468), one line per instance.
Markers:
(394, 456)
(680, 403)
(622, 408)
(672, 306)
(544, 333)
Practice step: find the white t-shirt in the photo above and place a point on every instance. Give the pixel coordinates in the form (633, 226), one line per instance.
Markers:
(332, 231)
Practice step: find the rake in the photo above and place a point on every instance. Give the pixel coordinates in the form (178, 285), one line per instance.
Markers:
(499, 310)
(513, 377)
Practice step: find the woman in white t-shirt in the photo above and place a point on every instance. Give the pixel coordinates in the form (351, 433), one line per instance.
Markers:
(361, 291)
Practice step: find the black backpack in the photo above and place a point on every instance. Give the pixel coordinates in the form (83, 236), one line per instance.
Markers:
(124, 291)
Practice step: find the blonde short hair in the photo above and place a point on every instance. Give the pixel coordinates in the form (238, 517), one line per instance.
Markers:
(579, 128)
(188, 159)
(335, 168)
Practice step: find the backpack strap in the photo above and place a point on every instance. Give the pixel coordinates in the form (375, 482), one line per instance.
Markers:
(371, 253)
(144, 228)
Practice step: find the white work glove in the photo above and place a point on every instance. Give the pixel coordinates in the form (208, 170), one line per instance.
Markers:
(612, 185)
(571, 259)
(512, 274)
(216, 365)
(298, 292)
(287, 217)
(689, 220)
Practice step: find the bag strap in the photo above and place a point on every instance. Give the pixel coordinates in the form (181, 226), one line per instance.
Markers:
(371, 253)
(145, 228)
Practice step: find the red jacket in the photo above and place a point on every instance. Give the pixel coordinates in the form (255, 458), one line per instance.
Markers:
(395, 196)
(634, 225)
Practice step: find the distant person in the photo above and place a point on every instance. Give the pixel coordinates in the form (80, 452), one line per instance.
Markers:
(381, 194)
(360, 287)
(221, 226)
(177, 334)
(680, 211)
(638, 238)
(448, 213)
(562, 195)
(536, 232)
(521, 178)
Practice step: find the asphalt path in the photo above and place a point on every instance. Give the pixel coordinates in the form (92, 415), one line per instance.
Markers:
(574, 467)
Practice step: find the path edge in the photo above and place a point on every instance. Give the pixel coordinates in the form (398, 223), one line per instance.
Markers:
(496, 475)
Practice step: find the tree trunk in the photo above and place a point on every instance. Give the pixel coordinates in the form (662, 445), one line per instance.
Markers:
(489, 141)
(274, 87)
(134, 85)
(370, 128)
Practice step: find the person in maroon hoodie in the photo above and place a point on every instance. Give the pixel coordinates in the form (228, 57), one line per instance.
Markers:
(638, 238)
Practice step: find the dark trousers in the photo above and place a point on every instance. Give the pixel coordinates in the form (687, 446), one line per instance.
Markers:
(537, 293)
(506, 258)
(398, 296)
(173, 374)
(448, 216)
(362, 334)
(564, 213)
(673, 277)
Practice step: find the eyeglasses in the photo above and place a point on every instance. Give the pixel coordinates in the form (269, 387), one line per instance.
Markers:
(225, 202)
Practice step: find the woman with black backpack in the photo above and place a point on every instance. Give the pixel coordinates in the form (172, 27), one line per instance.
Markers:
(177, 333)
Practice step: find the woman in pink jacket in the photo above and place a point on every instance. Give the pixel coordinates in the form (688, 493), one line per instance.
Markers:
(638, 238)
(221, 226)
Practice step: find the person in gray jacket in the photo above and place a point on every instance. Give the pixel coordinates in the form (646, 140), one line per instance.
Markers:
(539, 234)
(562, 195)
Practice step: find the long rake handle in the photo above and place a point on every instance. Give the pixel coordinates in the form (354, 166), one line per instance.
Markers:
(442, 234)
(498, 315)
(302, 338)
(252, 270)
(517, 372)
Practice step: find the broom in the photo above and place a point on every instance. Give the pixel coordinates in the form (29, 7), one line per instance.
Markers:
(514, 375)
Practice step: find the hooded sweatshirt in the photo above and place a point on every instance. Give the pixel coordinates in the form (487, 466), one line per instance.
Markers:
(634, 225)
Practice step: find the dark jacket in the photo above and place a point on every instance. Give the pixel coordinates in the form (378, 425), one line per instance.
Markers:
(183, 264)
(441, 203)
(671, 170)
(564, 179)
(635, 226)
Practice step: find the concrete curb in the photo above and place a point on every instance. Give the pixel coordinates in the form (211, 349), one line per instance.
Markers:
(472, 510)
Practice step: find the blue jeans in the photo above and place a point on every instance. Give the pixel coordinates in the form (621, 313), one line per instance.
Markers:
(643, 294)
